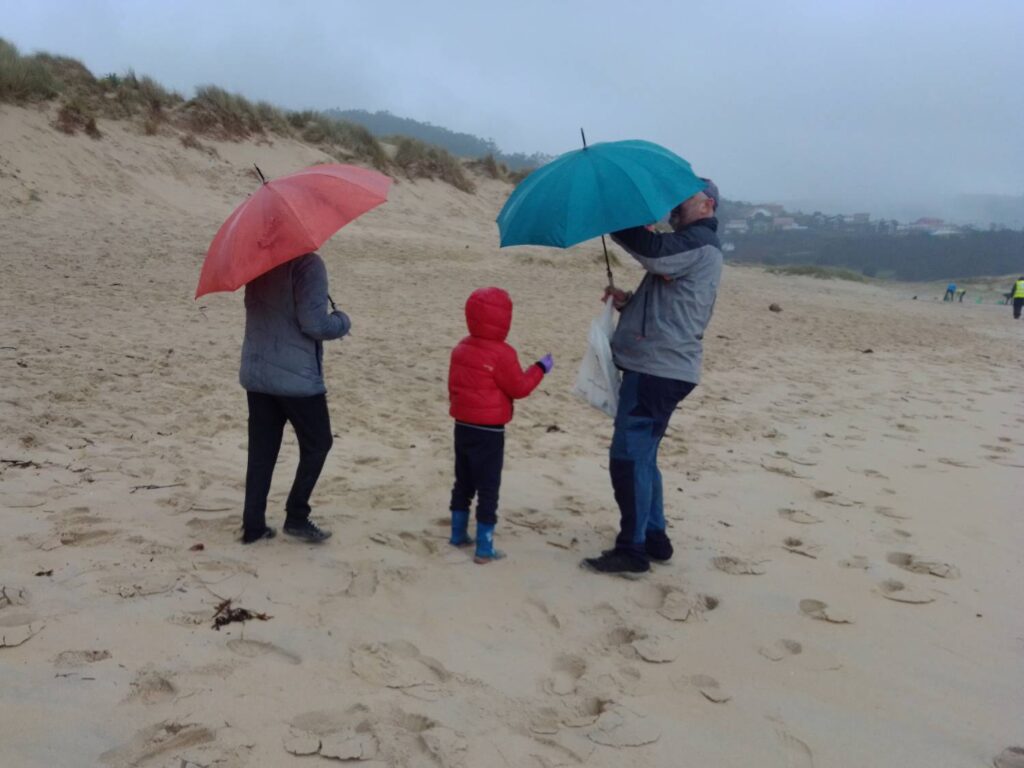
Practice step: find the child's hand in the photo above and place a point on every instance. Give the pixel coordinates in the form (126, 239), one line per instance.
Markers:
(547, 363)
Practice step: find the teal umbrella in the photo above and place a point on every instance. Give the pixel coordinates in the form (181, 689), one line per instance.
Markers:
(598, 189)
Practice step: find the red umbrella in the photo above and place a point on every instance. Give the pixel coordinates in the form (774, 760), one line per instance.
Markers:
(286, 218)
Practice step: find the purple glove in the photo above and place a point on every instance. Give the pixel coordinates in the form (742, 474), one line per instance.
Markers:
(547, 363)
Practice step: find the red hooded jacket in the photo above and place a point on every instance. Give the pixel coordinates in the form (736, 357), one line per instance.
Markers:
(485, 376)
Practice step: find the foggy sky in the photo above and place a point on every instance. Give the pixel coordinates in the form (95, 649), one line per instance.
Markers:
(844, 104)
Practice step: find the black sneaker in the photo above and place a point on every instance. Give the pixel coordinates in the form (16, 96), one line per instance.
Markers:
(307, 531)
(248, 537)
(617, 561)
(658, 546)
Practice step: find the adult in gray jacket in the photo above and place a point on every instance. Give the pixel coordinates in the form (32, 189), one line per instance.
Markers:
(658, 345)
(286, 323)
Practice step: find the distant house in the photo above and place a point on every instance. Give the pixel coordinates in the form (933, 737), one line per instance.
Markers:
(861, 218)
(760, 221)
(736, 227)
(926, 224)
(785, 223)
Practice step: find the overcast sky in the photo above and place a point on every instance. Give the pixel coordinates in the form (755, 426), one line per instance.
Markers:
(862, 104)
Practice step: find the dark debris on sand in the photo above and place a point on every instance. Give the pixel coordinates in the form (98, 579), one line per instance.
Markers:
(228, 614)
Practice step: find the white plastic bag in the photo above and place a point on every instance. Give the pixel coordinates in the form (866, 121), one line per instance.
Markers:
(598, 379)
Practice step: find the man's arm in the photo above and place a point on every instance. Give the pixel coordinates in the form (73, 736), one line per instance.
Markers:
(309, 285)
(673, 254)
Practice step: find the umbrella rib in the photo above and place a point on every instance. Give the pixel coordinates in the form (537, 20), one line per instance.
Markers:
(295, 214)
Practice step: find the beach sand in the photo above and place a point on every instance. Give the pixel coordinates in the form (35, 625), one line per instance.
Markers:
(843, 489)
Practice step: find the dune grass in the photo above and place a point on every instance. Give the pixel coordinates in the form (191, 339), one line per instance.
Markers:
(822, 273)
(213, 112)
(24, 78)
(424, 161)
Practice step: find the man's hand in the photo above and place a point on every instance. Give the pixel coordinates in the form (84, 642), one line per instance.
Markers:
(620, 298)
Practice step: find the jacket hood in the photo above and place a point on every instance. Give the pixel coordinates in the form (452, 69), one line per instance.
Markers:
(489, 313)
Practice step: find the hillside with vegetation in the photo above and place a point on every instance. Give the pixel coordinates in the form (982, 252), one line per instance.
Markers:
(384, 124)
(83, 98)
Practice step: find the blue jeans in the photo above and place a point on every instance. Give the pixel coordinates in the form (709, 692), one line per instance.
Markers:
(646, 403)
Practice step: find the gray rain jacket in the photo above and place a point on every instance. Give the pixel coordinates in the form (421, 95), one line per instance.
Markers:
(661, 329)
(286, 323)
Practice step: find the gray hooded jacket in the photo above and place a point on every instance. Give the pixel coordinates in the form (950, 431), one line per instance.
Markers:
(286, 323)
(661, 329)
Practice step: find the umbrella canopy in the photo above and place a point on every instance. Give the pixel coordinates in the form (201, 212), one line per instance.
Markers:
(286, 218)
(592, 191)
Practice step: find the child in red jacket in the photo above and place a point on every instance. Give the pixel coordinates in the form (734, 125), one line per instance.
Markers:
(483, 380)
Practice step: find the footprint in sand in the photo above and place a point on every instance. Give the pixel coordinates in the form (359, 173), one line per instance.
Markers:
(891, 513)
(891, 589)
(1011, 757)
(621, 727)
(674, 604)
(399, 664)
(68, 659)
(656, 649)
(781, 649)
(931, 567)
(152, 687)
(857, 562)
(737, 566)
(252, 649)
(18, 624)
(157, 740)
(138, 584)
(710, 688)
(423, 543)
(798, 516)
(394, 737)
(800, 547)
(795, 752)
(568, 670)
(816, 609)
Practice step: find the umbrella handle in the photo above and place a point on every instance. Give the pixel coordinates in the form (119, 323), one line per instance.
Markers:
(607, 263)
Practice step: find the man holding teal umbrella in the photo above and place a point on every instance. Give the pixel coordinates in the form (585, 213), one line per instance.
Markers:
(659, 347)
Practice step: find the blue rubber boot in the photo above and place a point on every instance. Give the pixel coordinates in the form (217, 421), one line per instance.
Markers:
(460, 532)
(485, 551)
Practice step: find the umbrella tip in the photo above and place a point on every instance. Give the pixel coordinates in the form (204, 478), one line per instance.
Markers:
(260, 173)
(584, 137)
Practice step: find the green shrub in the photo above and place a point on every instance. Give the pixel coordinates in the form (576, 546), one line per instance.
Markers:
(423, 161)
(489, 167)
(516, 177)
(74, 116)
(214, 110)
(24, 78)
(822, 273)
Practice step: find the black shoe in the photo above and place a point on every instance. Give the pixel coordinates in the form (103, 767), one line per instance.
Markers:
(248, 537)
(306, 530)
(658, 546)
(617, 561)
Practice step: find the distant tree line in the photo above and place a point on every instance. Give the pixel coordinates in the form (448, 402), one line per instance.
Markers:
(915, 256)
(383, 124)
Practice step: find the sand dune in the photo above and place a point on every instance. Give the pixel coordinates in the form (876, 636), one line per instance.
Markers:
(847, 522)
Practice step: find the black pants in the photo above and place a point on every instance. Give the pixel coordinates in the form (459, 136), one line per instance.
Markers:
(312, 424)
(479, 456)
(1017, 305)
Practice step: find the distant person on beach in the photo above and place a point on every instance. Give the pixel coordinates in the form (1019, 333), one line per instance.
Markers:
(658, 345)
(960, 296)
(286, 322)
(1018, 297)
(950, 292)
(484, 378)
